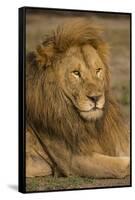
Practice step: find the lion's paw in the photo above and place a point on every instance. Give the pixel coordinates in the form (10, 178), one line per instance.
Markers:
(124, 167)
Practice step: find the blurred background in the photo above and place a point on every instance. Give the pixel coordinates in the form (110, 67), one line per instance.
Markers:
(117, 33)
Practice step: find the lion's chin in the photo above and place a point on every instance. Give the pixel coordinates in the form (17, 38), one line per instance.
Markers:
(92, 114)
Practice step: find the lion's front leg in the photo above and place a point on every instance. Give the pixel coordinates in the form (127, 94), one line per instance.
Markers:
(101, 166)
(95, 165)
(37, 161)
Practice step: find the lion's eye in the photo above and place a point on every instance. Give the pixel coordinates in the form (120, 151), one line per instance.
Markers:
(76, 73)
(99, 72)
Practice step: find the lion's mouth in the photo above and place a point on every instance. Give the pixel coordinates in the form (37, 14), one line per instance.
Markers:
(91, 110)
(91, 114)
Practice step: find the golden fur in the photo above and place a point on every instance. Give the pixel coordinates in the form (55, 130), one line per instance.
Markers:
(66, 71)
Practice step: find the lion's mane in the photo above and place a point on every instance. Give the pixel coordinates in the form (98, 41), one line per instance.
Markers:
(47, 110)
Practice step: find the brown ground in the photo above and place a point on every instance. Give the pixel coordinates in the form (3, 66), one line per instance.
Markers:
(117, 32)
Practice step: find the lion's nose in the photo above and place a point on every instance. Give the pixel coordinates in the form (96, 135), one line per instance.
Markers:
(94, 99)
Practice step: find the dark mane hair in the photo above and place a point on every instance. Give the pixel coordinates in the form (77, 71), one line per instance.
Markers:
(47, 110)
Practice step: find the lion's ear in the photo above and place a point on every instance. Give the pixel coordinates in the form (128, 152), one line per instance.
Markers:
(104, 52)
(42, 57)
(102, 48)
(46, 53)
(32, 59)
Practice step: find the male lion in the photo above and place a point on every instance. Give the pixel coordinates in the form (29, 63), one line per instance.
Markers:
(74, 126)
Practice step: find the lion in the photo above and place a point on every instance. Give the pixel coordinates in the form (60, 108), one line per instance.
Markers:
(74, 125)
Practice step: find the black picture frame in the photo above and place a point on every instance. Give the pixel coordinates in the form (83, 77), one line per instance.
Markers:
(22, 96)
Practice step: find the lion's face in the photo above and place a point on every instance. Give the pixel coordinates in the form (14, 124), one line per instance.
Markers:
(81, 75)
